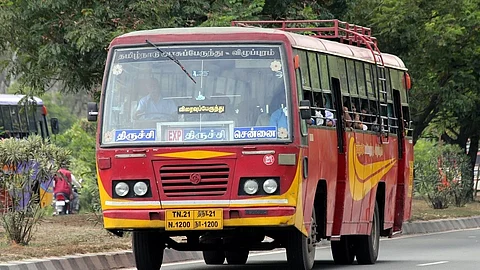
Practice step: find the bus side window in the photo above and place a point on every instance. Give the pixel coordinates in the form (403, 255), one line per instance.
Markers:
(305, 77)
(323, 68)
(373, 110)
(407, 123)
(369, 80)
(391, 118)
(352, 79)
(330, 113)
(314, 73)
(360, 75)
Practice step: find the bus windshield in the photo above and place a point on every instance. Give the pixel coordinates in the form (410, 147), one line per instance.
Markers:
(239, 94)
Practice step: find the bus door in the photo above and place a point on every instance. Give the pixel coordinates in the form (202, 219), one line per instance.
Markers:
(401, 187)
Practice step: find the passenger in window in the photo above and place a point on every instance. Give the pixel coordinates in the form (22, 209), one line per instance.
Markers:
(346, 116)
(358, 119)
(329, 119)
(318, 118)
(373, 120)
(279, 116)
(153, 106)
(364, 119)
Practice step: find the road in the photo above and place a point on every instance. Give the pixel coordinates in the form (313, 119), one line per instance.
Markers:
(450, 250)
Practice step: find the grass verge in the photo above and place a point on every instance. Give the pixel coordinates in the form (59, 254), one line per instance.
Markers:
(422, 211)
(64, 235)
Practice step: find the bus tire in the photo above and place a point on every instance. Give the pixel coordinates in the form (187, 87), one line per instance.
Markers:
(238, 257)
(147, 249)
(343, 251)
(301, 248)
(213, 257)
(367, 246)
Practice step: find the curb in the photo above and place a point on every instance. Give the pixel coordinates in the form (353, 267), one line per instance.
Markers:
(95, 261)
(124, 259)
(440, 225)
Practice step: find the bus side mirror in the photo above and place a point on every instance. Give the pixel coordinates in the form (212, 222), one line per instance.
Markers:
(305, 110)
(92, 109)
(54, 125)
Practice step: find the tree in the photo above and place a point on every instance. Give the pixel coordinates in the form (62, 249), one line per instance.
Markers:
(66, 41)
(440, 43)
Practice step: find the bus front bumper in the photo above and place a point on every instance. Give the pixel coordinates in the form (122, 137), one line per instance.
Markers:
(127, 219)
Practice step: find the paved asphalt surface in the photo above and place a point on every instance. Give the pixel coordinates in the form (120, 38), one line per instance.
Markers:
(448, 250)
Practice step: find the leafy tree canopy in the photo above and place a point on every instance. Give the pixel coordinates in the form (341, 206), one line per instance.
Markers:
(67, 41)
(440, 42)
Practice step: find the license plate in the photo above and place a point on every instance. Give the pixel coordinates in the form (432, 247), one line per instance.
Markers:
(60, 203)
(205, 219)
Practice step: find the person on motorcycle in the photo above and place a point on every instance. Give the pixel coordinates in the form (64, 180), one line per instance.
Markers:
(64, 182)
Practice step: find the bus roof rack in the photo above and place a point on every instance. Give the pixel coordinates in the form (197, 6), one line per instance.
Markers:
(324, 29)
(328, 29)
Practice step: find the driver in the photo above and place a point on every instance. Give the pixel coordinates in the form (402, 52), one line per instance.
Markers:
(153, 106)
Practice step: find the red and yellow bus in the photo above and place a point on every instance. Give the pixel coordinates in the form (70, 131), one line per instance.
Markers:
(244, 138)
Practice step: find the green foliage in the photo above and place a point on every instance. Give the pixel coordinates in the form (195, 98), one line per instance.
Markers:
(427, 175)
(457, 174)
(61, 40)
(439, 41)
(57, 108)
(224, 12)
(29, 162)
(80, 140)
(442, 174)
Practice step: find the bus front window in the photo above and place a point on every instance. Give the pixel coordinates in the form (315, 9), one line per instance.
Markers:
(239, 94)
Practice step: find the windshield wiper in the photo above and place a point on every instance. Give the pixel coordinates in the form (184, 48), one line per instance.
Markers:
(175, 60)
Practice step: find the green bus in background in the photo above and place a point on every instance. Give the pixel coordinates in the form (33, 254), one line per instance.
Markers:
(21, 116)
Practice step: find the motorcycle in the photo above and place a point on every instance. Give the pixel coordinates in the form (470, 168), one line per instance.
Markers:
(61, 203)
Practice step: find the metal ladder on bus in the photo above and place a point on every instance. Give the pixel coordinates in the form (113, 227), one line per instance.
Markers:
(380, 76)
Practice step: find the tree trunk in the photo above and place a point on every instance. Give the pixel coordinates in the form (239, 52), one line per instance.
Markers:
(472, 154)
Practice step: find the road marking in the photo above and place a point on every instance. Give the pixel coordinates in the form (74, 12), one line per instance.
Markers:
(432, 263)
(251, 255)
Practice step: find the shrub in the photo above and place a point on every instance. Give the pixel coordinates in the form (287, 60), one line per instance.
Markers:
(442, 176)
(26, 164)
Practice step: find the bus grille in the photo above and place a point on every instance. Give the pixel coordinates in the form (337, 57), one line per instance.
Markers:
(176, 179)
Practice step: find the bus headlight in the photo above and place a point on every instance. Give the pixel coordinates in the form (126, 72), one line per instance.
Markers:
(250, 187)
(270, 186)
(140, 188)
(121, 188)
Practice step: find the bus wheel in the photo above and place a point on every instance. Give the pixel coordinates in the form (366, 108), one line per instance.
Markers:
(148, 250)
(343, 250)
(301, 249)
(213, 257)
(238, 257)
(367, 246)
